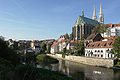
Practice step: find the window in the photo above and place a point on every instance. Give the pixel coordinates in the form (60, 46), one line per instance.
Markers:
(95, 51)
(108, 55)
(111, 55)
(98, 55)
(102, 46)
(101, 55)
(98, 51)
(110, 39)
(95, 55)
(102, 51)
(96, 46)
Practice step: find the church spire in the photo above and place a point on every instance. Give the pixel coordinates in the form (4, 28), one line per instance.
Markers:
(101, 19)
(94, 15)
(82, 13)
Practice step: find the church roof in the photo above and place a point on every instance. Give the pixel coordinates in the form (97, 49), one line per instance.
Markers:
(84, 20)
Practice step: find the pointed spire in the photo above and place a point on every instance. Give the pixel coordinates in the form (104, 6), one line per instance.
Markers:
(100, 8)
(94, 15)
(101, 18)
(82, 13)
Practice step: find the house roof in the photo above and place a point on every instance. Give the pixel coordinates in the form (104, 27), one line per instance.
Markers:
(91, 36)
(84, 20)
(73, 41)
(113, 25)
(113, 37)
(101, 44)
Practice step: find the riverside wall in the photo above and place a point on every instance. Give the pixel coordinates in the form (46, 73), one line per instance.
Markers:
(85, 60)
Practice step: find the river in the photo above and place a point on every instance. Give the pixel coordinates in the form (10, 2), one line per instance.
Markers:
(84, 72)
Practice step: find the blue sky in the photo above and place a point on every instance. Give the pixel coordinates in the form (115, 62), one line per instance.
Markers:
(46, 19)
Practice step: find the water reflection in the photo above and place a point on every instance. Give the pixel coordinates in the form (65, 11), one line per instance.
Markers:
(85, 72)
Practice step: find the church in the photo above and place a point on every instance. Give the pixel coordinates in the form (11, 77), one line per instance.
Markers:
(83, 26)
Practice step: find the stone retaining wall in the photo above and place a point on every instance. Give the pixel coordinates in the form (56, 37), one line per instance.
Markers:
(85, 60)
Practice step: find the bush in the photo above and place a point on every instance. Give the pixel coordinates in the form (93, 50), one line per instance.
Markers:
(45, 60)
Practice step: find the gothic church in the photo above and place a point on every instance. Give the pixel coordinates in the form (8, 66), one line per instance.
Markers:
(83, 26)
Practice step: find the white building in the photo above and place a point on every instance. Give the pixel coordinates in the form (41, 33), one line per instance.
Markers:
(55, 47)
(113, 30)
(35, 46)
(62, 45)
(71, 44)
(59, 45)
(10, 42)
(100, 49)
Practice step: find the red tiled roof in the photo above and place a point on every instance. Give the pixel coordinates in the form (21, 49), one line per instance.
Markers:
(73, 41)
(113, 38)
(113, 25)
(101, 44)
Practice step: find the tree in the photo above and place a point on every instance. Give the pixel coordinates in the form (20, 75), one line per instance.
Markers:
(15, 45)
(71, 36)
(30, 57)
(43, 47)
(79, 49)
(64, 52)
(66, 36)
(49, 47)
(8, 53)
(100, 29)
(116, 48)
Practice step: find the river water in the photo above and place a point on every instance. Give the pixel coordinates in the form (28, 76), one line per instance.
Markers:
(85, 72)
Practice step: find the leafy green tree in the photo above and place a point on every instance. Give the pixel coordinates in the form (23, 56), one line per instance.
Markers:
(15, 45)
(49, 47)
(71, 36)
(43, 47)
(66, 36)
(64, 52)
(8, 53)
(100, 29)
(116, 48)
(79, 49)
(30, 57)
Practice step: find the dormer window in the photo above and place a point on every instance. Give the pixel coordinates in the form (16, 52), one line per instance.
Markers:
(105, 44)
(102, 46)
(108, 44)
(110, 39)
(96, 46)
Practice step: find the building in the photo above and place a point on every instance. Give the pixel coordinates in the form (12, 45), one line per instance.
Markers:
(59, 44)
(55, 47)
(113, 30)
(100, 49)
(71, 44)
(101, 17)
(35, 46)
(11, 42)
(83, 26)
(93, 38)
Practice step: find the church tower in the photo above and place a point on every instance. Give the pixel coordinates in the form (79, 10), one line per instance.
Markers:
(94, 15)
(101, 18)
